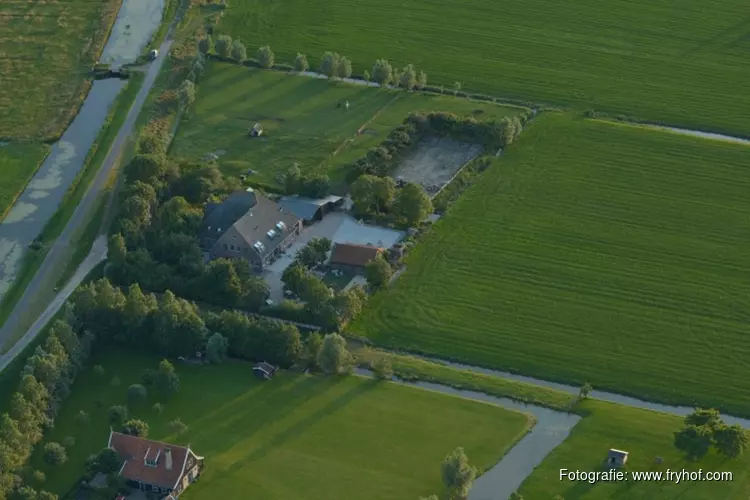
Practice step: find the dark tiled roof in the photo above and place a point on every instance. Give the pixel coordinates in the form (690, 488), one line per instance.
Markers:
(219, 217)
(133, 451)
(351, 254)
(305, 208)
(263, 217)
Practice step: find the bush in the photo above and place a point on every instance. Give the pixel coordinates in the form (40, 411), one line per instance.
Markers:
(329, 64)
(204, 45)
(136, 394)
(382, 72)
(300, 63)
(158, 408)
(38, 476)
(239, 52)
(117, 414)
(383, 368)
(55, 454)
(136, 427)
(265, 57)
(177, 427)
(344, 68)
(223, 46)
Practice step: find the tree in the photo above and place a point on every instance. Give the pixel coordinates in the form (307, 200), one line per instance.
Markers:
(117, 415)
(458, 475)
(704, 417)
(293, 180)
(378, 272)
(383, 368)
(694, 441)
(136, 427)
(515, 496)
(408, 77)
(216, 348)
(370, 193)
(153, 143)
(507, 132)
(313, 346)
(366, 76)
(456, 88)
(145, 168)
(344, 68)
(177, 427)
(108, 460)
(413, 204)
(239, 52)
(45, 495)
(314, 253)
(334, 358)
(293, 277)
(38, 476)
(731, 441)
(178, 329)
(382, 72)
(166, 380)
(265, 57)
(585, 390)
(223, 46)
(136, 394)
(421, 80)
(186, 93)
(55, 454)
(205, 45)
(329, 64)
(300, 63)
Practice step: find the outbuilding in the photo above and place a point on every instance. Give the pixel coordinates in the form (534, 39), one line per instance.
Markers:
(617, 458)
(264, 370)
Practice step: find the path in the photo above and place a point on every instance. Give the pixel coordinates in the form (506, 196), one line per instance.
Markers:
(82, 211)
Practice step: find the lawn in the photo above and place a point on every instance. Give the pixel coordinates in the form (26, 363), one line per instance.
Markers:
(18, 163)
(296, 437)
(590, 252)
(302, 123)
(645, 435)
(683, 62)
(44, 60)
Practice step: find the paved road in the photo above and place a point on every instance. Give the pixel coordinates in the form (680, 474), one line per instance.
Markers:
(78, 220)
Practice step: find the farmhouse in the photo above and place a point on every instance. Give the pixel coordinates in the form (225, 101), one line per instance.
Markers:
(154, 466)
(352, 257)
(311, 209)
(249, 226)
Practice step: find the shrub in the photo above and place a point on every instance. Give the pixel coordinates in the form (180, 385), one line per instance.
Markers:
(158, 408)
(136, 394)
(204, 44)
(383, 368)
(344, 68)
(55, 454)
(265, 57)
(186, 93)
(117, 414)
(177, 427)
(136, 427)
(38, 476)
(408, 78)
(329, 64)
(300, 63)
(382, 72)
(223, 46)
(239, 52)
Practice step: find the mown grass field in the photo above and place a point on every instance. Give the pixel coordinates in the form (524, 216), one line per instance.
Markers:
(645, 435)
(18, 162)
(591, 252)
(296, 437)
(301, 121)
(683, 62)
(46, 50)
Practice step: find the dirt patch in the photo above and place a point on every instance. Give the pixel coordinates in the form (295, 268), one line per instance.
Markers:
(435, 161)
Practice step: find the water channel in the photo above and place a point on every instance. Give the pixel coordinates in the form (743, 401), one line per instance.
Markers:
(136, 23)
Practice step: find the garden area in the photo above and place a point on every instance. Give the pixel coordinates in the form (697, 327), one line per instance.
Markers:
(287, 437)
(592, 252)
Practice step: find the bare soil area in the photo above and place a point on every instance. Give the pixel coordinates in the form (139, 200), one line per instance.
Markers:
(435, 162)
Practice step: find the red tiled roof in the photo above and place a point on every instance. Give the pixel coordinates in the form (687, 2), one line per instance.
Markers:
(351, 254)
(133, 450)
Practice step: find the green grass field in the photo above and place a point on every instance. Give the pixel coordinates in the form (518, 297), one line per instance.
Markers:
(681, 62)
(296, 437)
(44, 61)
(645, 435)
(301, 120)
(18, 163)
(591, 252)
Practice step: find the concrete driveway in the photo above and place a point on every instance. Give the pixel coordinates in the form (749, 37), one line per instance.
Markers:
(338, 227)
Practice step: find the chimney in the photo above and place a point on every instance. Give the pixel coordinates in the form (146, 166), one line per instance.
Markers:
(168, 458)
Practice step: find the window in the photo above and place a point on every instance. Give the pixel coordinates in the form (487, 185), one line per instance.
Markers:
(231, 246)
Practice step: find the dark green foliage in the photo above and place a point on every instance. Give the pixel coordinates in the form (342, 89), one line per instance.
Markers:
(265, 57)
(334, 358)
(694, 441)
(205, 44)
(412, 204)
(166, 380)
(239, 53)
(731, 441)
(117, 415)
(217, 348)
(329, 64)
(136, 394)
(107, 461)
(378, 272)
(382, 72)
(300, 63)
(314, 253)
(223, 46)
(709, 417)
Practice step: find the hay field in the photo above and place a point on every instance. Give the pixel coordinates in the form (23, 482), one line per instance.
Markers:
(682, 62)
(301, 121)
(46, 50)
(590, 252)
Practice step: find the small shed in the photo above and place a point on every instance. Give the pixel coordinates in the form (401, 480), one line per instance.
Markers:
(264, 370)
(617, 458)
(257, 130)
